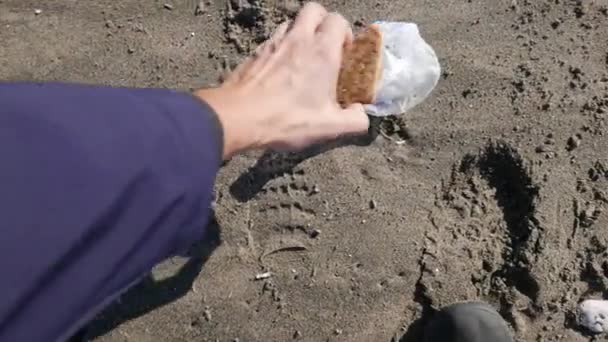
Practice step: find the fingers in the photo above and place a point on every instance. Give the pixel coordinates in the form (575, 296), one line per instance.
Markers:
(355, 119)
(263, 52)
(335, 30)
(280, 33)
(343, 122)
(351, 120)
(334, 33)
(277, 37)
(309, 19)
(233, 76)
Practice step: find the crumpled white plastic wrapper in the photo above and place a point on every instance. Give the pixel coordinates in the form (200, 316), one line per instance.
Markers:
(410, 70)
(593, 315)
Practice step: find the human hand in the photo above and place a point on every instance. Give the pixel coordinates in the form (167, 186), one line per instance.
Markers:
(284, 96)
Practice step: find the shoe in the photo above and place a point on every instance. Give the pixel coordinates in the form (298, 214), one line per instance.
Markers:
(467, 322)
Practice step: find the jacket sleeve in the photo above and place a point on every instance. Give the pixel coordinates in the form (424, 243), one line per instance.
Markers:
(97, 185)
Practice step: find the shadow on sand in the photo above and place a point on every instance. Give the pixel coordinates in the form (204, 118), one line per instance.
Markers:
(149, 294)
(272, 165)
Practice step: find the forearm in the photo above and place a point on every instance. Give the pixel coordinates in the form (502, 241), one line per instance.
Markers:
(98, 185)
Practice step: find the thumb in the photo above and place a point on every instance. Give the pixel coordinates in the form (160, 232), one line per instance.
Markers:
(355, 119)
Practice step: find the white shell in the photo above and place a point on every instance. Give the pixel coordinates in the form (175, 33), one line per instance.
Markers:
(593, 315)
(410, 70)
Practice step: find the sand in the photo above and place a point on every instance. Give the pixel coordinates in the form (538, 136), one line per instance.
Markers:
(494, 189)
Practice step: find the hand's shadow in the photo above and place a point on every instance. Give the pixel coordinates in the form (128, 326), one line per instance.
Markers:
(150, 294)
(274, 164)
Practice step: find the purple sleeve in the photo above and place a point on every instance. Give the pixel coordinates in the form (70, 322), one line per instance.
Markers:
(97, 185)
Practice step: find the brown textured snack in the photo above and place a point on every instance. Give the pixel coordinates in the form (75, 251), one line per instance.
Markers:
(361, 68)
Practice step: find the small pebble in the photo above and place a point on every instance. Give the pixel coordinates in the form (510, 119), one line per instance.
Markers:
(359, 22)
(297, 334)
(573, 143)
(207, 314)
(373, 204)
(37, 11)
(593, 315)
(315, 233)
(195, 323)
(131, 50)
(168, 7)
(200, 8)
(262, 276)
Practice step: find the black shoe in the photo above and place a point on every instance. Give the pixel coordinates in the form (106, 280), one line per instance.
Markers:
(467, 322)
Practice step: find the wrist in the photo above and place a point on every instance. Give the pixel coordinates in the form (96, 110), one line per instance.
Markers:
(234, 113)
